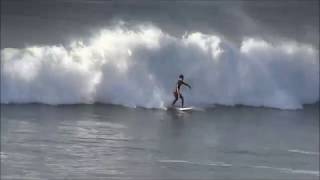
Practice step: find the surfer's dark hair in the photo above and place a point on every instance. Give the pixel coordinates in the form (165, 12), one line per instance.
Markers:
(181, 76)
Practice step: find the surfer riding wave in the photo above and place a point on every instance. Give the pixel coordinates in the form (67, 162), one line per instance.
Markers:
(177, 92)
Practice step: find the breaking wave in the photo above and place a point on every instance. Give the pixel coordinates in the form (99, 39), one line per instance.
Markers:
(139, 67)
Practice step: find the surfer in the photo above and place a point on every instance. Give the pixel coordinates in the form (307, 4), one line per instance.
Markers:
(177, 92)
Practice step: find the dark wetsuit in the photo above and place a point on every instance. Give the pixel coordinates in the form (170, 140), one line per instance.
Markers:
(177, 92)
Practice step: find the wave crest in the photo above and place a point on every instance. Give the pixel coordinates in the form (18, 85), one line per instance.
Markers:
(139, 67)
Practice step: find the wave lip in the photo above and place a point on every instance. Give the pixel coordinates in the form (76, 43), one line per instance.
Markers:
(138, 67)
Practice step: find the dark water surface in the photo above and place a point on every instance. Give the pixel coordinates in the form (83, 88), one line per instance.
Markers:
(104, 141)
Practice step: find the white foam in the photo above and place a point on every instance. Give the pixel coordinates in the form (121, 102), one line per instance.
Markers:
(174, 161)
(289, 170)
(221, 164)
(139, 68)
(3, 155)
(303, 152)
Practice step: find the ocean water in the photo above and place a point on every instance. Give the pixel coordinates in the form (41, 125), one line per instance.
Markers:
(115, 142)
(85, 84)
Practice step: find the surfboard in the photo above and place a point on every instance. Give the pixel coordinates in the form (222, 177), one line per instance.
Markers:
(184, 108)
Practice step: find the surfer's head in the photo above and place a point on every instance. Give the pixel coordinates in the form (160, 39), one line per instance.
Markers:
(181, 77)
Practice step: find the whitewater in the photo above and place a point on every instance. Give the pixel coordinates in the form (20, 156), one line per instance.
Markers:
(139, 66)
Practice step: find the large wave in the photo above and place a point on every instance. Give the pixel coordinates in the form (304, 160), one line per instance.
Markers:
(139, 67)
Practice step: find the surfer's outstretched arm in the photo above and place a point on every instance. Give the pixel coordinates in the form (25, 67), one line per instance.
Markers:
(186, 84)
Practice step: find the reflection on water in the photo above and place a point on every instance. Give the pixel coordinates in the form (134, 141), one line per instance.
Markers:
(86, 141)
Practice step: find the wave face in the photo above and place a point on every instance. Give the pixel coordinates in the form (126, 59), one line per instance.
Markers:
(139, 67)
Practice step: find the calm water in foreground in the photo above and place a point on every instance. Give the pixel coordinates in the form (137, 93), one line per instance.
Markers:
(112, 142)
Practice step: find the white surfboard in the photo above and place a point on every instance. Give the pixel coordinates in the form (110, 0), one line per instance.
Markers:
(184, 108)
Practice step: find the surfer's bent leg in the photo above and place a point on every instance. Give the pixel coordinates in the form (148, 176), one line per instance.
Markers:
(176, 98)
(182, 100)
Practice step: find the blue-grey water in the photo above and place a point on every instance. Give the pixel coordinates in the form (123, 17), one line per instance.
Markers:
(113, 142)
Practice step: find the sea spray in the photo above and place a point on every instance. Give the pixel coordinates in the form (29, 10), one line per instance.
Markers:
(139, 67)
